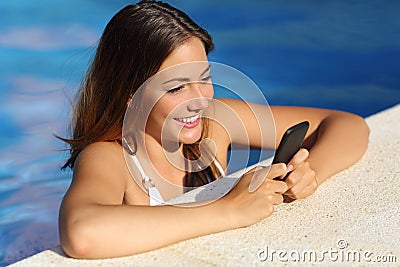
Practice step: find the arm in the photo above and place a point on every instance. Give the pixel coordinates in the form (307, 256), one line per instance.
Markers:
(99, 230)
(94, 222)
(335, 139)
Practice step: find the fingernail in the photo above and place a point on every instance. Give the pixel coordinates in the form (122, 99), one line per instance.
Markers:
(290, 168)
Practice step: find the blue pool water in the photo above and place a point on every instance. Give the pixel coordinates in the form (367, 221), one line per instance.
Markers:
(332, 54)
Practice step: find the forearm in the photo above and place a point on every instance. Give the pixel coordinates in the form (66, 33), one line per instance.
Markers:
(100, 231)
(341, 140)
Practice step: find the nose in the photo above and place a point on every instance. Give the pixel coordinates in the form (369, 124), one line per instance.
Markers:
(198, 104)
(199, 100)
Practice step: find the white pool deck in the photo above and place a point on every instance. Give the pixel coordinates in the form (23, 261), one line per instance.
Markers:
(354, 214)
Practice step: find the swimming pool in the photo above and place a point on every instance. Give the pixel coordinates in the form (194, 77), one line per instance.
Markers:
(332, 55)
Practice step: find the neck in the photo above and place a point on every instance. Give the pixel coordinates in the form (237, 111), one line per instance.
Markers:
(168, 152)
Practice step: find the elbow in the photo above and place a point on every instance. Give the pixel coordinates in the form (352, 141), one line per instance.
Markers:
(75, 241)
(361, 138)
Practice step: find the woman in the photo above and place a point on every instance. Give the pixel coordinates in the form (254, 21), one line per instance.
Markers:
(106, 214)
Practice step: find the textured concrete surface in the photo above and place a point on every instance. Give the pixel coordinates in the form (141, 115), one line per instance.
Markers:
(352, 219)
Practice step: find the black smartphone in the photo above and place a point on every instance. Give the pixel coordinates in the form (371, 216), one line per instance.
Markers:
(291, 142)
(289, 145)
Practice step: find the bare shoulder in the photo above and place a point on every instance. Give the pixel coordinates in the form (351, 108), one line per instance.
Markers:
(100, 174)
(101, 151)
(103, 156)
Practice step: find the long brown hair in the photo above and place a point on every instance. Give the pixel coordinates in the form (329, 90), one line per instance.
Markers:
(132, 48)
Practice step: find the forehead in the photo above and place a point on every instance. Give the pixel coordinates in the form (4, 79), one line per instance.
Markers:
(189, 51)
(184, 72)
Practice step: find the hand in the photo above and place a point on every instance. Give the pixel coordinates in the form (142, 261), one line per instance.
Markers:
(245, 208)
(302, 181)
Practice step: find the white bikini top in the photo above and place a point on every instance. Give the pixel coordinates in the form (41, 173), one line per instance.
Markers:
(155, 196)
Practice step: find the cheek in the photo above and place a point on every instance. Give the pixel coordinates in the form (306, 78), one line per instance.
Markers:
(208, 91)
(164, 108)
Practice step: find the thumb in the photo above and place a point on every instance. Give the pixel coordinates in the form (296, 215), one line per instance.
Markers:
(269, 172)
(298, 158)
(277, 170)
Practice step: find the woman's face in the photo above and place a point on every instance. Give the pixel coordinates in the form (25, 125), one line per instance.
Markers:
(187, 88)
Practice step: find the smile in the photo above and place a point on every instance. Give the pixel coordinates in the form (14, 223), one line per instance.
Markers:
(189, 122)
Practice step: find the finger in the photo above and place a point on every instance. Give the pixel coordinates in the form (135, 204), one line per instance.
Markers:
(256, 182)
(305, 187)
(279, 187)
(269, 172)
(295, 162)
(297, 159)
(258, 177)
(274, 186)
(277, 170)
(275, 199)
(295, 176)
(307, 191)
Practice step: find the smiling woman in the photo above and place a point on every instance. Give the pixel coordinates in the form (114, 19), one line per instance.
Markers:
(152, 61)
(337, 54)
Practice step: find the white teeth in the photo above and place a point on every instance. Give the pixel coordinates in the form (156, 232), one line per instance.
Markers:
(188, 120)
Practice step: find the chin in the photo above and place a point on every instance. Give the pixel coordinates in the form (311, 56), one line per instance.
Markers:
(191, 137)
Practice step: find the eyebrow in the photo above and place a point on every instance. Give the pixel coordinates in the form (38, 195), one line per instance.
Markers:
(186, 79)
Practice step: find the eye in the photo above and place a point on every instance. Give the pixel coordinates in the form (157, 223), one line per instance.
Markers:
(175, 89)
(206, 79)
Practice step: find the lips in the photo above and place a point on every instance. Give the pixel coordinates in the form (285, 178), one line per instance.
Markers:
(189, 122)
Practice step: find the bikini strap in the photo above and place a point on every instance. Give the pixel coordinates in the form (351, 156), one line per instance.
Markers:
(155, 196)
